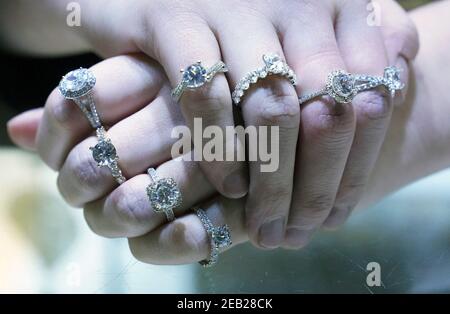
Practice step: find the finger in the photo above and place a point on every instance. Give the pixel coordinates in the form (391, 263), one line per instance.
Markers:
(141, 140)
(373, 108)
(124, 85)
(271, 106)
(185, 240)
(22, 129)
(326, 128)
(184, 43)
(401, 40)
(127, 211)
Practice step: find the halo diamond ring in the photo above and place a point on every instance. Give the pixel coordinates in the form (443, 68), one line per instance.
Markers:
(273, 65)
(77, 85)
(343, 86)
(195, 76)
(220, 237)
(164, 194)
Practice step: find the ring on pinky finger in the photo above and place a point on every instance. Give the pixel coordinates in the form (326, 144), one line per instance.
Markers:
(220, 238)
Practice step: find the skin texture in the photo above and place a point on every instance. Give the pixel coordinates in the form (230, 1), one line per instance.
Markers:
(328, 151)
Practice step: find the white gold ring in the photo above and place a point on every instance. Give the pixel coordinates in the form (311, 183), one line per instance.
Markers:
(220, 238)
(105, 154)
(195, 76)
(77, 85)
(343, 86)
(273, 65)
(164, 194)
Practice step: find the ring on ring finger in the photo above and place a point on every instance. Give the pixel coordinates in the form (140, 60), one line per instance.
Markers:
(273, 65)
(220, 238)
(343, 86)
(164, 194)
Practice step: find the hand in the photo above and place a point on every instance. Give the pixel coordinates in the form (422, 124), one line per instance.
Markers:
(352, 137)
(322, 178)
(392, 170)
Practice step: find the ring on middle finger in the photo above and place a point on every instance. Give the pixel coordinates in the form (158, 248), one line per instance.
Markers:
(273, 65)
(195, 76)
(164, 194)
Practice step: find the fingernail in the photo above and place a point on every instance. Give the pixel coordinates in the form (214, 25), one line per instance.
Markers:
(271, 233)
(236, 184)
(297, 238)
(336, 218)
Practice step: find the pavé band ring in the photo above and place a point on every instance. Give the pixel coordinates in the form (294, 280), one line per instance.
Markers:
(77, 85)
(343, 86)
(105, 154)
(195, 76)
(220, 237)
(273, 65)
(164, 194)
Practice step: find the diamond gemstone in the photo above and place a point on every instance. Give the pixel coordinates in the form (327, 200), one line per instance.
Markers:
(77, 83)
(194, 76)
(343, 84)
(221, 236)
(164, 194)
(104, 153)
(392, 75)
(274, 63)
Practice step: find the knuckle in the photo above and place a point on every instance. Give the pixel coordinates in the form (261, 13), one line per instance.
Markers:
(372, 106)
(263, 204)
(314, 210)
(215, 97)
(405, 35)
(84, 169)
(130, 206)
(187, 239)
(60, 110)
(336, 122)
(280, 109)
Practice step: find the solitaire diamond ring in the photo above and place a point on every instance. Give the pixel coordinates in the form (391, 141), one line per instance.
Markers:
(77, 85)
(164, 194)
(104, 153)
(195, 76)
(273, 65)
(220, 238)
(343, 86)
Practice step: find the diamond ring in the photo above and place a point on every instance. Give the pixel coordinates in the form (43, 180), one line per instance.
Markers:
(77, 85)
(164, 194)
(273, 65)
(105, 154)
(195, 76)
(220, 238)
(343, 86)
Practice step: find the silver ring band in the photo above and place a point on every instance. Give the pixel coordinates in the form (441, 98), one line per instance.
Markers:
(164, 194)
(220, 238)
(273, 65)
(105, 154)
(195, 76)
(77, 85)
(343, 86)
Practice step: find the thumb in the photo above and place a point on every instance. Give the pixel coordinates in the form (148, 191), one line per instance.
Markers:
(22, 129)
